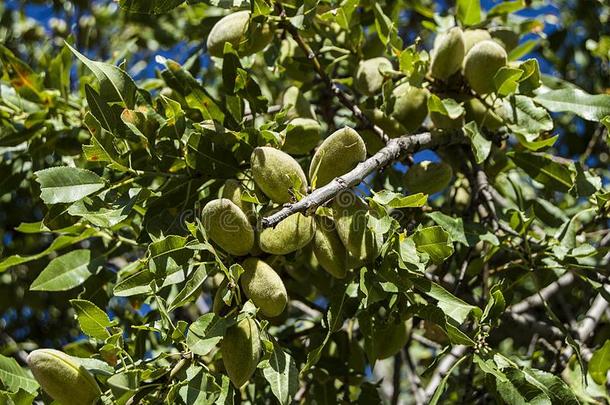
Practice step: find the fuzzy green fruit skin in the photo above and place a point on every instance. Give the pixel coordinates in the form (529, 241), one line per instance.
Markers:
(241, 348)
(233, 190)
(506, 37)
(349, 213)
(264, 287)
(473, 37)
(329, 249)
(481, 64)
(273, 172)
(228, 226)
(64, 379)
(290, 235)
(301, 136)
(337, 155)
(391, 339)
(411, 106)
(448, 54)
(300, 106)
(428, 177)
(390, 126)
(368, 79)
(485, 118)
(442, 121)
(233, 28)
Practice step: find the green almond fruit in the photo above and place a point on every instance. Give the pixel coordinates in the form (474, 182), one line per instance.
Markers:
(473, 37)
(290, 235)
(276, 173)
(369, 77)
(484, 117)
(300, 106)
(442, 121)
(301, 136)
(233, 190)
(428, 177)
(329, 250)
(63, 377)
(228, 226)
(481, 64)
(337, 155)
(234, 29)
(264, 287)
(390, 126)
(447, 54)
(506, 37)
(241, 350)
(390, 339)
(410, 107)
(350, 215)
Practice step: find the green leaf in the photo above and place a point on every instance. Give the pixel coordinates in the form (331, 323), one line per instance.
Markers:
(451, 305)
(443, 384)
(481, 146)
(505, 8)
(600, 363)
(228, 4)
(115, 83)
(92, 320)
(575, 101)
(544, 169)
(506, 80)
(282, 375)
(469, 12)
(58, 243)
(525, 117)
(200, 388)
(169, 254)
(435, 242)
(67, 184)
(13, 377)
(135, 284)
(523, 49)
(66, 272)
(149, 6)
(205, 333)
(191, 287)
(454, 226)
(395, 200)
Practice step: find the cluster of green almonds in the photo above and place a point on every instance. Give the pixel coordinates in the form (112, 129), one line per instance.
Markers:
(472, 56)
(238, 30)
(63, 377)
(340, 241)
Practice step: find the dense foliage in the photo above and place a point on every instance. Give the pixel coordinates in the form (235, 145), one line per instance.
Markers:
(318, 201)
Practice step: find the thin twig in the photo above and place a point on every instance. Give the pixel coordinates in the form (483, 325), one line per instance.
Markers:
(443, 368)
(332, 86)
(386, 155)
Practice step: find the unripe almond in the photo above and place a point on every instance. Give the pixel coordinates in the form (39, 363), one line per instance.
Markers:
(473, 37)
(228, 226)
(485, 118)
(428, 177)
(350, 215)
(264, 287)
(241, 349)
(337, 155)
(276, 173)
(369, 77)
(329, 249)
(63, 377)
(390, 339)
(390, 126)
(233, 190)
(301, 136)
(481, 64)
(410, 107)
(290, 235)
(233, 28)
(448, 54)
(300, 106)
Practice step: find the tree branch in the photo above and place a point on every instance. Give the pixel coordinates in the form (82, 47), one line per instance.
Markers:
(332, 86)
(385, 156)
(538, 298)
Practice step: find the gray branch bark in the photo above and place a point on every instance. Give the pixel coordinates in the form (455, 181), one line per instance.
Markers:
(388, 154)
